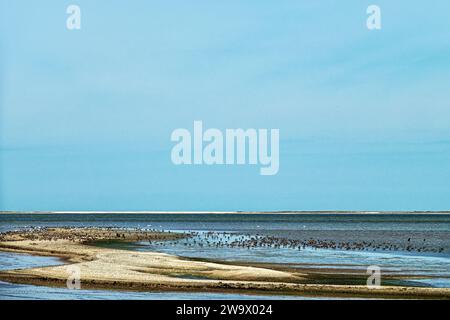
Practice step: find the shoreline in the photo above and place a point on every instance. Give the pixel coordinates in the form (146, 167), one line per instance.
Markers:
(339, 212)
(116, 269)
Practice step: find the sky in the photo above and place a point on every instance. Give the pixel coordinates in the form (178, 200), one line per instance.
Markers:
(86, 115)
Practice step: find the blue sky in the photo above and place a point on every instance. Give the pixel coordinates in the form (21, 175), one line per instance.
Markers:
(86, 115)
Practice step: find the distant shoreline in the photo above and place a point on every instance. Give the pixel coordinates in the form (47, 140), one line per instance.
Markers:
(235, 212)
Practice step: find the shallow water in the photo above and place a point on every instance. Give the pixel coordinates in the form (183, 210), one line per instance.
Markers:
(325, 257)
(9, 291)
(10, 261)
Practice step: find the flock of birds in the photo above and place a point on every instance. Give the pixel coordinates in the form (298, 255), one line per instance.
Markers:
(86, 234)
(213, 239)
(248, 241)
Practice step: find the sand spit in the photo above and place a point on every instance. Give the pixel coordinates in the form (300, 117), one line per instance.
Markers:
(105, 268)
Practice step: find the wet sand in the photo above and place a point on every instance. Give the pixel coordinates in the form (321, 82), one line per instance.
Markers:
(109, 268)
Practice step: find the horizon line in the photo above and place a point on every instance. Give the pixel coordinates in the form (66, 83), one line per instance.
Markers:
(234, 212)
